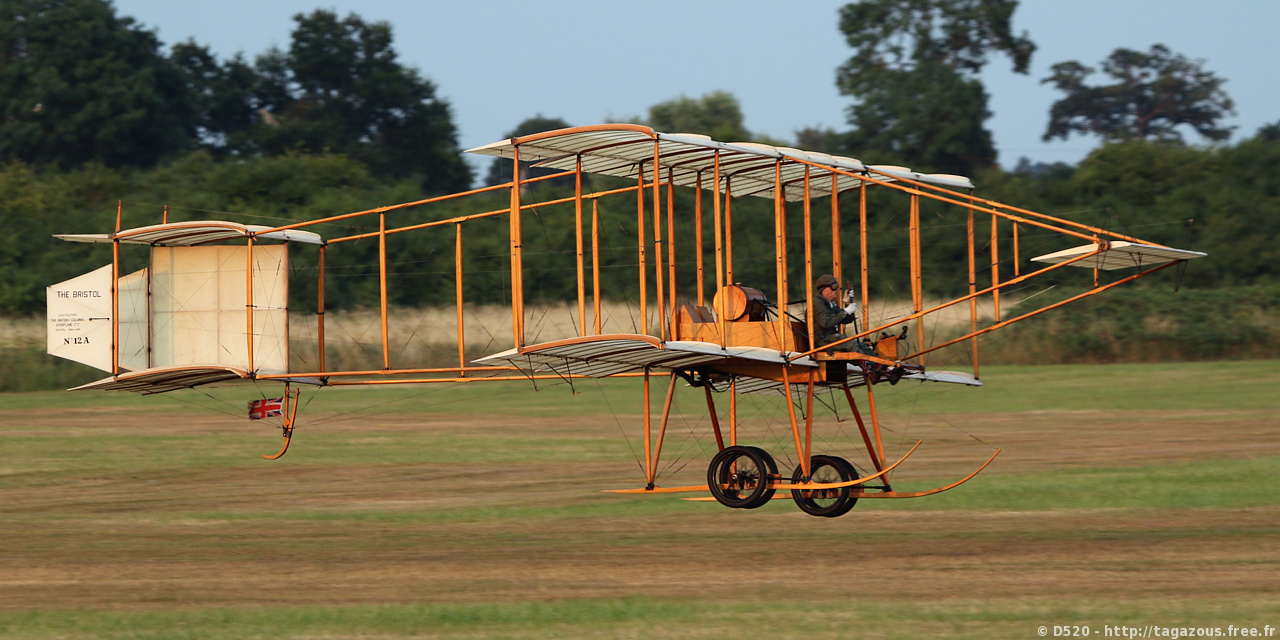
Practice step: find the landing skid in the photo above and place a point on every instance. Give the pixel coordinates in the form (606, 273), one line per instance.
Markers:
(855, 494)
(785, 486)
(919, 494)
(289, 414)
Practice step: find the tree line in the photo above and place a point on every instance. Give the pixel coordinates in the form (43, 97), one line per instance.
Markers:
(81, 84)
(335, 123)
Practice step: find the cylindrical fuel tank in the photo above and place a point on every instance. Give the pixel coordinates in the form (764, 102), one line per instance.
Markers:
(736, 303)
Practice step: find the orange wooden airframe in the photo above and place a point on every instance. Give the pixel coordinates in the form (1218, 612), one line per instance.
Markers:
(741, 342)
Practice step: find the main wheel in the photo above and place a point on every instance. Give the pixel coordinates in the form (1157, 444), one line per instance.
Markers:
(773, 478)
(828, 503)
(739, 477)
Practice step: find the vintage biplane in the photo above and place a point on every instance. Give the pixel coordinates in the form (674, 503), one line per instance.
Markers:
(212, 305)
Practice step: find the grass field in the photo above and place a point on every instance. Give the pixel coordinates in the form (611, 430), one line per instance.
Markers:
(1125, 495)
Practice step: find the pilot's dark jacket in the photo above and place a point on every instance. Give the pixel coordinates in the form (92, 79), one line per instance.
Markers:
(827, 319)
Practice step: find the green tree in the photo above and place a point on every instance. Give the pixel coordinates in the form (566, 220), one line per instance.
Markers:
(717, 114)
(1241, 212)
(79, 84)
(339, 89)
(913, 76)
(500, 168)
(224, 94)
(38, 204)
(823, 139)
(1154, 94)
(927, 117)
(899, 34)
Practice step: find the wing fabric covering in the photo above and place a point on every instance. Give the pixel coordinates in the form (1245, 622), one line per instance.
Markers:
(198, 312)
(135, 343)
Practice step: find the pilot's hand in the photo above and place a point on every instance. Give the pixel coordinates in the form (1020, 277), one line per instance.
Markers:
(848, 296)
(851, 308)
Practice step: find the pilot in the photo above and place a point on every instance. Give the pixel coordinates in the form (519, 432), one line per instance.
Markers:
(828, 317)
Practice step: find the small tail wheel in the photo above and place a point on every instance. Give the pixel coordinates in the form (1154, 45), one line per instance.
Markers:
(739, 477)
(828, 503)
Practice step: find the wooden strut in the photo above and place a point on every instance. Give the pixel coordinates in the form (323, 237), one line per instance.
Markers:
(248, 304)
(659, 285)
(808, 419)
(802, 451)
(290, 413)
(808, 262)
(875, 426)
(728, 230)
(835, 232)
(517, 268)
(862, 247)
(917, 276)
(662, 428)
(733, 411)
(973, 288)
(697, 237)
(595, 262)
(648, 457)
(995, 267)
(671, 254)
(320, 309)
(719, 244)
(457, 284)
(577, 227)
(644, 293)
(780, 242)
(382, 288)
(115, 293)
(715, 420)
(862, 427)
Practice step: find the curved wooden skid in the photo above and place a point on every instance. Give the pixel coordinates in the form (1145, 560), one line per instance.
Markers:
(287, 437)
(918, 494)
(850, 483)
(290, 415)
(781, 486)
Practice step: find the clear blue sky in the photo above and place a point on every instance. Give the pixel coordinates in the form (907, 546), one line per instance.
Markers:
(586, 61)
